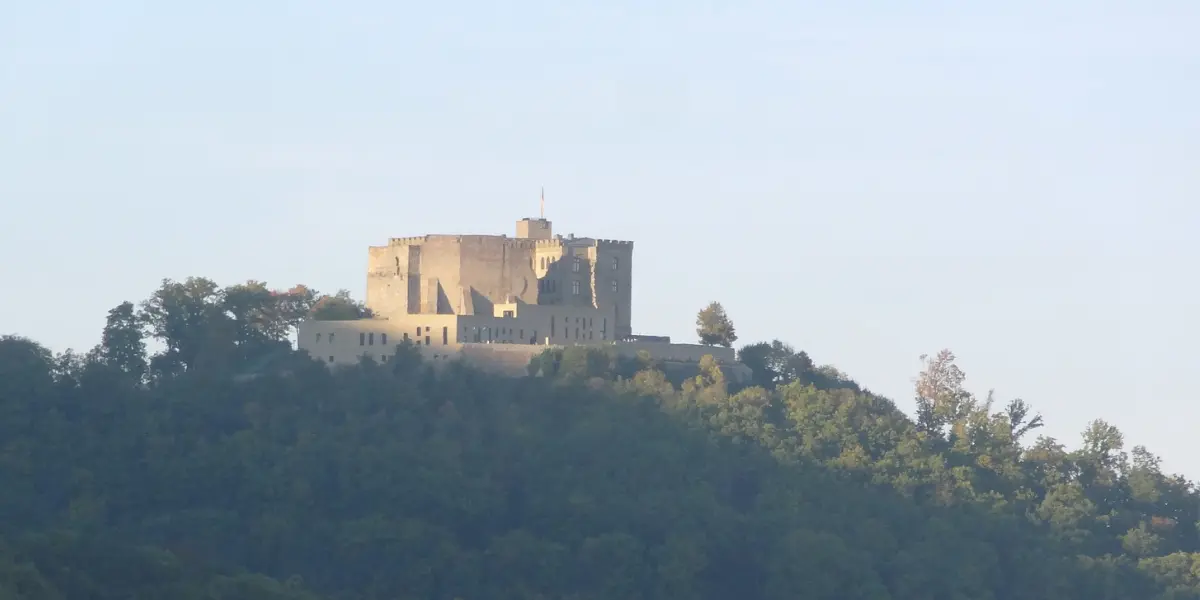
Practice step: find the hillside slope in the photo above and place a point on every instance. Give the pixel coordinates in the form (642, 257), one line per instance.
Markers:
(601, 479)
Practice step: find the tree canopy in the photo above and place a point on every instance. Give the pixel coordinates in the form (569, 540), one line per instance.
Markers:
(714, 327)
(151, 468)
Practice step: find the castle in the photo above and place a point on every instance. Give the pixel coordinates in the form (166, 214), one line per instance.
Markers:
(495, 301)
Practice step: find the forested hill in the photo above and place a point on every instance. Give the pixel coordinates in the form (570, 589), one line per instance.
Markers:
(227, 466)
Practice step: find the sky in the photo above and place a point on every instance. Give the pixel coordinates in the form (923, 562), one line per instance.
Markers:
(868, 181)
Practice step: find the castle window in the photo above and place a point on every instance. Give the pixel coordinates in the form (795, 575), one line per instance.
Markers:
(575, 264)
(383, 339)
(509, 314)
(614, 285)
(543, 262)
(362, 339)
(331, 338)
(397, 265)
(445, 335)
(318, 338)
(615, 263)
(575, 288)
(371, 339)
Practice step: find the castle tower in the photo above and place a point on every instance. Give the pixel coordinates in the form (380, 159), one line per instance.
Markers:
(534, 229)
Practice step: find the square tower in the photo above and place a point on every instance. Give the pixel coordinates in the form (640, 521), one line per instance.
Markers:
(534, 229)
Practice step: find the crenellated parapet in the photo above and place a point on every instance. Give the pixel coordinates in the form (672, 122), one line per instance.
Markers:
(418, 240)
(408, 241)
(556, 242)
(612, 243)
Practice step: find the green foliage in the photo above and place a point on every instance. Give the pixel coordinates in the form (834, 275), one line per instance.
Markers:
(714, 327)
(777, 364)
(339, 307)
(173, 476)
(582, 364)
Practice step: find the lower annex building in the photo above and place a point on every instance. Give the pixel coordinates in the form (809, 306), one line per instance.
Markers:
(495, 301)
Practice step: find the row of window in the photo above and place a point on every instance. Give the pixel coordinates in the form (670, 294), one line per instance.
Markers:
(489, 334)
(367, 338)
(549, 285)
(576, 264)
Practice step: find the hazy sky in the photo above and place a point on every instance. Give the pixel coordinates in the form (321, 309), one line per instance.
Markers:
(868, 181)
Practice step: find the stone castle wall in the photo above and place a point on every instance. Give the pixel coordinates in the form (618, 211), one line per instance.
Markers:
(495, 301)
(470, 274)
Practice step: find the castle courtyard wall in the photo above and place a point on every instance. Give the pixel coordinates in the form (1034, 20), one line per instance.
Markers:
(441, 338)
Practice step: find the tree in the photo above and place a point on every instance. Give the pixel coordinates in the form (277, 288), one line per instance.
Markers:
(122, 344)
(714, 327)
(188, 319)
(339, 307)
(941, 398)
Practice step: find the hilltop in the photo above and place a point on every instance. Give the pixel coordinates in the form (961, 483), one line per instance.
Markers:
(229, 465)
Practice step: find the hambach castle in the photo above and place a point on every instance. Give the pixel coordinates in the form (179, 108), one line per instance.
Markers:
(496, 301)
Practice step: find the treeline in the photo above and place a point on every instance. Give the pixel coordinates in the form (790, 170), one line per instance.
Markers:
(227, 465)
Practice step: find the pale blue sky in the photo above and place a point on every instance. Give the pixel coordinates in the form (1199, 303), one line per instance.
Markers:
(868, 181)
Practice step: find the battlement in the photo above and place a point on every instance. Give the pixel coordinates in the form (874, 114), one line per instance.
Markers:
(557, 242)
(408, 241)
(459, 238)
(517, 242)
(600, 243)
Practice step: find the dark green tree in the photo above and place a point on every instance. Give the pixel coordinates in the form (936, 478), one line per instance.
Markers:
(122, 343)
(339, 307)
